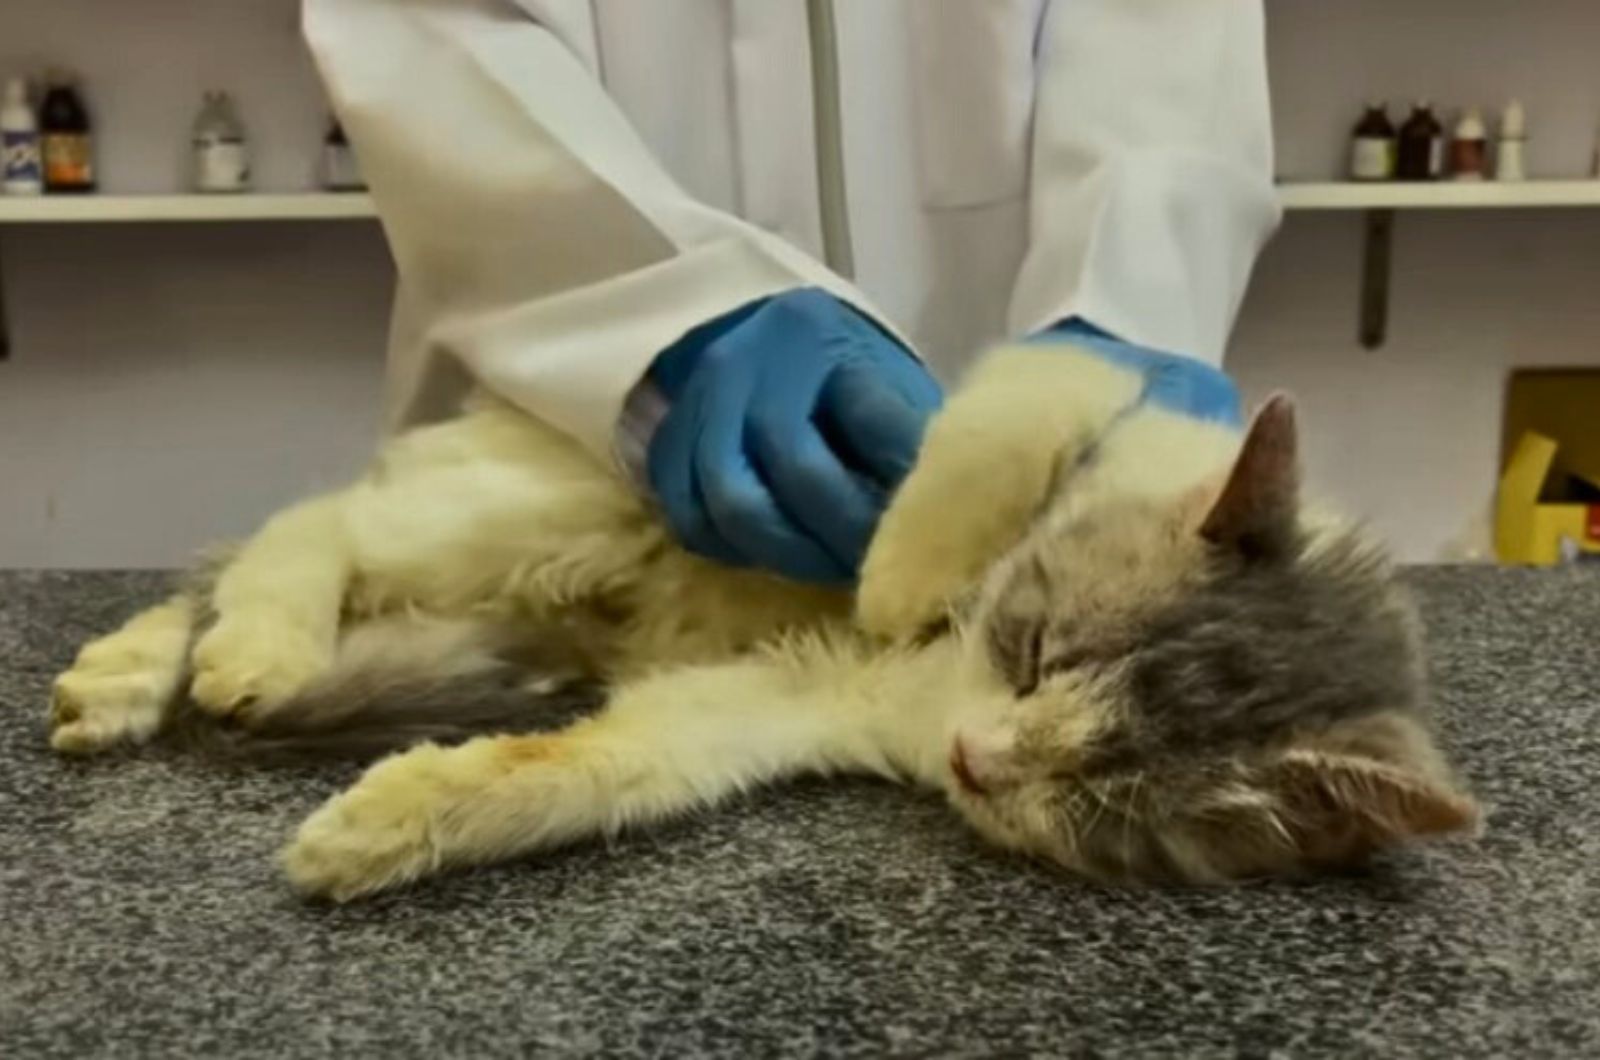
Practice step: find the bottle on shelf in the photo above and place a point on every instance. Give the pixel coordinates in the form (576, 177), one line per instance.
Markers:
(1511, 151)
(221, 148)
(66, 137)
(21, 171)
(1373, 146)
(1421, 155)
(340, 171)
(1469, 149)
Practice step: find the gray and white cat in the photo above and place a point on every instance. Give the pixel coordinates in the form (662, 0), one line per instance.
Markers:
(1112, 636)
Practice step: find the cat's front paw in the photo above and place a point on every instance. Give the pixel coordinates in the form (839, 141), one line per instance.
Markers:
(242, 662)
(900, 601)
(381, 833)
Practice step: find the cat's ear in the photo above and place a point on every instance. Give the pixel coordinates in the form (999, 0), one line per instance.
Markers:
(1337, 808)
(1256, 510)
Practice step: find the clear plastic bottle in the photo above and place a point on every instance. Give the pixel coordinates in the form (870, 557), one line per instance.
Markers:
(221, 149)
(21, 165)
(340, 171)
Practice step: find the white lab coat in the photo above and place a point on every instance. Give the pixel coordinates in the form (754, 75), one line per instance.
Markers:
(1009, 162)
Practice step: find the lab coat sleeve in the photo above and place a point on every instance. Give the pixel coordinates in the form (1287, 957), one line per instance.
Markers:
(1151, 183)
(973, 73)
(537, 241)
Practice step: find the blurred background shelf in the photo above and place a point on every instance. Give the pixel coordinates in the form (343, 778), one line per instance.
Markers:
(1441, 196)
(312, 206)
(309, 206)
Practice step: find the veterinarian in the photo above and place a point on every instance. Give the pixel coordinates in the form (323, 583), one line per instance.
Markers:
(610, 213)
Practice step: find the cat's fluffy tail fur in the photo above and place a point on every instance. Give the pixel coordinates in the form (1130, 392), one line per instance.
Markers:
(395, 684)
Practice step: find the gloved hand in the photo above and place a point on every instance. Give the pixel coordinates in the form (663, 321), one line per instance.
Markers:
(791, 422)
(1180, 384)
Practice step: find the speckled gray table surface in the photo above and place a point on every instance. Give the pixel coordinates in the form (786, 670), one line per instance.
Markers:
(140, 914)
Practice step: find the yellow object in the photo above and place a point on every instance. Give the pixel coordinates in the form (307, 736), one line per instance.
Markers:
(1532, 515)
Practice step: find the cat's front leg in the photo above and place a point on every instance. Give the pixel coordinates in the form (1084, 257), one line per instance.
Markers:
(401, 821)
(278, 607)
(668, 744)
(985, 470)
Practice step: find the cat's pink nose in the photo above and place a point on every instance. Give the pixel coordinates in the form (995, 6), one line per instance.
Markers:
(979, 760)
(963, 771)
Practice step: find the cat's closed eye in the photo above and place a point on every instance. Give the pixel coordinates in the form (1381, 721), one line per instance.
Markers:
(1016, 647)
(1025, 657)
(1065, 661)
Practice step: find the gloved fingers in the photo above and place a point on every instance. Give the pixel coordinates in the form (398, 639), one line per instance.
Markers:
(675, 365)
(833, 505)
(872, 426)
(740, 504)
(672, 473)
(1194, 389)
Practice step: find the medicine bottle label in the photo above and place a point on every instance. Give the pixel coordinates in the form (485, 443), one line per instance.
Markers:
(1372, 159)
(67, 162)
(221, 165)
(339, 169)
(19, 158)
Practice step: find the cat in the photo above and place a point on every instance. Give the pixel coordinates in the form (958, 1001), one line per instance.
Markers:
(1116, 639)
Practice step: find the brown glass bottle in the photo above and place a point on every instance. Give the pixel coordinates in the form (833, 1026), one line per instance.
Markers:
(1372, 147)
(1421, 146)
(65, 138)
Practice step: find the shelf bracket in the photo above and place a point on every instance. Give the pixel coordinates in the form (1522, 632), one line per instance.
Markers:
(5, 324)
(1376, 255)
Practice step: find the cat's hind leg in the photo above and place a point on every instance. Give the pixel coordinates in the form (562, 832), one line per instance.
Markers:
(278, 607)
(122, 687)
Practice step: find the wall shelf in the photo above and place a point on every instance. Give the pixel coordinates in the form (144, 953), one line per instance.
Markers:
(102, 209)
(1379, 201)
(1445, 195)
(330, 206)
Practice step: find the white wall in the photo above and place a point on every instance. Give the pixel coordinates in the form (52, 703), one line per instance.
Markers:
(170, 385)
(1409, 435)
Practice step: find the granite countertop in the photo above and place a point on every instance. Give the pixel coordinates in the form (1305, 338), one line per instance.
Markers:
(140, 913)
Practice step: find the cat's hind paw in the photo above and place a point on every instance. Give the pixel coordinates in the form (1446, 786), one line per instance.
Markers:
(92, 712)
(381, 833)
(121, 686)
(241, 663)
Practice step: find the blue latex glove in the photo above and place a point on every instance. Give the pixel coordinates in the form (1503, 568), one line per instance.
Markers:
(791, 422)
(1180, 384)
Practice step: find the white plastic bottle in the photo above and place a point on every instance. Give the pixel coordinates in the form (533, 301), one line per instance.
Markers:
(21, 168)
(221, 153)
(1511, 152)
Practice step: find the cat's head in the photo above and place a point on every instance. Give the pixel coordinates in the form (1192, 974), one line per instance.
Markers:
(1203, 689)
